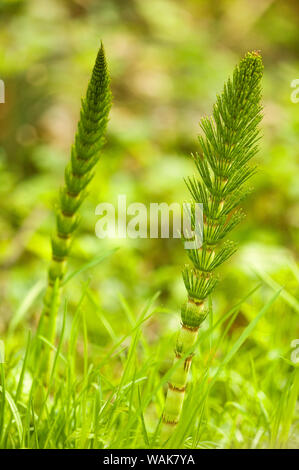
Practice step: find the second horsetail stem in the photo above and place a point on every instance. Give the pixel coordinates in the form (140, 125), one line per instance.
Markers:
(227, 144)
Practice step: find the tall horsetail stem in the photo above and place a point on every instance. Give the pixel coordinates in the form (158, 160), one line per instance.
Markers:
(228, 143)
(79, 172)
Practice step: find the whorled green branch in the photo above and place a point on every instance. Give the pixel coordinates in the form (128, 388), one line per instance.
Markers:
(228, 143)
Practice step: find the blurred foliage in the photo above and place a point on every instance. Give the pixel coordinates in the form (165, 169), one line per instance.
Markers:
(168, 59)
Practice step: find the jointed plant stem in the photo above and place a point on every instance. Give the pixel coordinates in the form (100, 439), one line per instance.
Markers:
(85, 153)
(229, 142)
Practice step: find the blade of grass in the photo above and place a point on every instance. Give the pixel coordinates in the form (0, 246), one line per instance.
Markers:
(187, 423)
(91, 264)
(285, 295)
(28, 301)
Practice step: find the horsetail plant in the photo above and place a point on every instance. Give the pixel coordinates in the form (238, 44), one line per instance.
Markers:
(85, 154)
(228, 143)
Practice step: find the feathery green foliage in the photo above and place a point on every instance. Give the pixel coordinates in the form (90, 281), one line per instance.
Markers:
(228, 143)
(85, 153)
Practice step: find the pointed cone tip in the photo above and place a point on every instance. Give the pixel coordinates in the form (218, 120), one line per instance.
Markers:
(255, 53)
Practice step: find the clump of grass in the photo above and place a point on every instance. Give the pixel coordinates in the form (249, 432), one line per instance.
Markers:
(93, 407)
(228, 143)
(85, 153)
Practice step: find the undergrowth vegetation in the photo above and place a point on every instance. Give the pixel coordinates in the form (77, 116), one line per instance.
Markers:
(109, 349)
(116, 399)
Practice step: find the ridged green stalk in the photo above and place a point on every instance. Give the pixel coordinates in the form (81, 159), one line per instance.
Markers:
(228, 143)
(85, 154)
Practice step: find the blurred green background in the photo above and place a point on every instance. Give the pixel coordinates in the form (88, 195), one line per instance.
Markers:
(168, 59)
